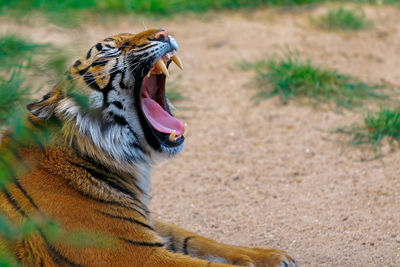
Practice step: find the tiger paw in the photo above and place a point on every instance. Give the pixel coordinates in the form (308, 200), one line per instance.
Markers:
(259, 257)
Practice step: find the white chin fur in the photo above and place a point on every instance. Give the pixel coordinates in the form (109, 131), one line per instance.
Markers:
(172, 151)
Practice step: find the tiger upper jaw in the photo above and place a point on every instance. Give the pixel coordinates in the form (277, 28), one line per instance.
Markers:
(160, 65)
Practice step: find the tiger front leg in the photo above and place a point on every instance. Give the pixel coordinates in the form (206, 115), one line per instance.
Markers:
(185, 242)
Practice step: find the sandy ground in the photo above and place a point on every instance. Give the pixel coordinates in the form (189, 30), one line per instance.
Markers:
(272, 175)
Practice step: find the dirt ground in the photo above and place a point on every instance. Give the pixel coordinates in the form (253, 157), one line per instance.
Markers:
(272, 175)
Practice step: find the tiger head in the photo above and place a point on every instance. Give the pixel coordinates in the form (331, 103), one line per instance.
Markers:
(127, 118)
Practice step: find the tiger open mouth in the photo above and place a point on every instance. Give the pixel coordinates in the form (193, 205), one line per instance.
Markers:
(168, 129)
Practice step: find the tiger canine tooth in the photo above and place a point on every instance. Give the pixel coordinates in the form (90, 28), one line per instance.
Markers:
(172, 136)
(148, 74)
(177, 61)
(161, 66)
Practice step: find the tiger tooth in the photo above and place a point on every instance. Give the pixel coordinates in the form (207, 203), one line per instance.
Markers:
(161, 66)
(177, 61)
(148, 74)
(172, 136)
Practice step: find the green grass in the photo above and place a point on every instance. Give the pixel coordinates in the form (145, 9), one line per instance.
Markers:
(291, 77)
(343, 19)
(75, 12)
(161, 7)
(376, 127)
(386, 2)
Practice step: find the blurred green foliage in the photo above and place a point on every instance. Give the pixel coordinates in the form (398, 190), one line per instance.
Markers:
(20, 61)
(343, 19)
(15, 52)
(12, 94)
(27, 57)
(290, 77)
(16, 59)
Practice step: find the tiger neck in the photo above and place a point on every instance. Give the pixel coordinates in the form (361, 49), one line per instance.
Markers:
(101, 180)
(129, 179)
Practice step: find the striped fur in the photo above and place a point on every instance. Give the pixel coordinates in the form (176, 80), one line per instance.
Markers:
(94, 175)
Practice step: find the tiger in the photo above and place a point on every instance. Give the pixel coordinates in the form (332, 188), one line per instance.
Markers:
(94, 174)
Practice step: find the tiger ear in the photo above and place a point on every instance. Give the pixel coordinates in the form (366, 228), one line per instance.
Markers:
(44, 108)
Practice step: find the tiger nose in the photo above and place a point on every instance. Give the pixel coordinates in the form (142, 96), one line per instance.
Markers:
(164, 34)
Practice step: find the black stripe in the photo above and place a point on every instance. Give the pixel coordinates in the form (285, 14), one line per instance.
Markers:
(142, 49)
(123, 46)
(112, 174)
(95, 174)
(58, 254)
(141, 243)
(126, 219)
(13, 202)
(185, 244)
(109, 86)
(102, 177)
(136, 145)
(18, 208)
(117, 104)
(15, 205)
(108, 202)
(83, 71)
(118, 119)
(89, 53)
(100, 62)
(91, 81)
(172, 244)
(122, 121)
(142, 45)
(99, 47)
(19, 186)
(122, 84)
(77, 63)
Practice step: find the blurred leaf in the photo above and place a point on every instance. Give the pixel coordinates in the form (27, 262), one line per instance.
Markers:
(89, 238)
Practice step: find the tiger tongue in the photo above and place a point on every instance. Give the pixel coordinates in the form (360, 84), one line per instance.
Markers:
(160, 119)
